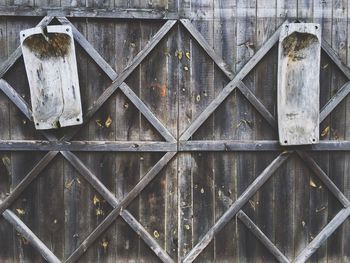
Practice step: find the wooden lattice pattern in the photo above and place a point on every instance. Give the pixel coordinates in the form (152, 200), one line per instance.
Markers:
(172, 146)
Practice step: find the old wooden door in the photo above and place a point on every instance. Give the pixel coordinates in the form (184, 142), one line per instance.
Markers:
(178, 158)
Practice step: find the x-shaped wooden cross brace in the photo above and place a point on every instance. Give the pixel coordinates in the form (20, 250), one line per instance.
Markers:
(118, 205)
(118, 82)
(235, 208)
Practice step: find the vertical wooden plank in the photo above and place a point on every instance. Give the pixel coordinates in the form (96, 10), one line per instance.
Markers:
(76, 203)
(171, 105)
(346, 236)
(265, 90)
(73, 3)
(45, 3)
(302, 174)
(224, 128)
(6, 230)
(17, 2)
(203, 92)
(100, 3)
(185, 184)
(102, 127)
(128, 44)
(338, 123)
(153, 91)
(318, 211)
(246, 45)
(285, 176)
(21, 163)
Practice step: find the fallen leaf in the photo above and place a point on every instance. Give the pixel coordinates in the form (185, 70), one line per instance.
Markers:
(188, 55)
(187, 227)
(312, 183)
(325, 131)
(99, 212)
(67, 184)
(99, 123)
(20, 211)
(104, 244)
(178, 54)
(96, 200)
(156, 234)
(252, 204)
(321, 209)
(186, 68)
(108, 122)
(7, 162)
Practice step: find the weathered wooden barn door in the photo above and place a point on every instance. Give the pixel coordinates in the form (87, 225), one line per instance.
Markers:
(178, 158)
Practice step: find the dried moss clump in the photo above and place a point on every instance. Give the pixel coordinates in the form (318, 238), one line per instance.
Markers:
(56, 46)
(296, 42)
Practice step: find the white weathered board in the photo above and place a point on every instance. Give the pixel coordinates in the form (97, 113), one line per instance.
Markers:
(50, 62)
(298, 83)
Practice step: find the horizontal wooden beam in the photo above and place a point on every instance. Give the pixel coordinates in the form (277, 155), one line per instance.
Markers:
(156, 146)
(265, 145)
(87, 146)
(18, 224)
(87, 12)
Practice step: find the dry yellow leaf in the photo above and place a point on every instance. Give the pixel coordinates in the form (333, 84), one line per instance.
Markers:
(325, 131)
(312, 183)
(178, 54)
(96, 200)
(104, 244)
(20, 211)
(156, 234)
(99, 123)
(99, 212)
(108, 122)
(67, 184)
(188, 55)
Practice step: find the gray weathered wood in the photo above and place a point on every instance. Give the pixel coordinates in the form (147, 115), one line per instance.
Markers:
(30, 236)
(298, 83)
(144, 181)
(324, 178)
(334, 101)
(236, 206)
(4, 67)
(88, 12)
(88, 146)
(16, 98)
(112, 200)
(27, 180)
(231, 86)
(262, 237)
(335, 58)
(52, 74)
(307, 252)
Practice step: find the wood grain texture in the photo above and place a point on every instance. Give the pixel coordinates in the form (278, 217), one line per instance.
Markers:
(299, 53)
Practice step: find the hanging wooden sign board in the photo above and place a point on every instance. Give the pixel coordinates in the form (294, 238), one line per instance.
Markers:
(50, 62)
(298, 83)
